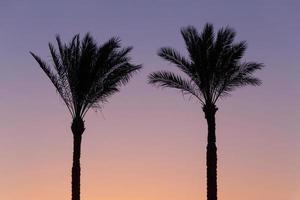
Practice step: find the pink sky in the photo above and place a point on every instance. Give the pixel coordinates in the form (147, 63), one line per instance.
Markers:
(147, 143)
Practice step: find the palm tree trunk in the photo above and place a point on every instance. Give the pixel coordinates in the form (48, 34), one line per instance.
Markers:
(211, 152)
(77, 129)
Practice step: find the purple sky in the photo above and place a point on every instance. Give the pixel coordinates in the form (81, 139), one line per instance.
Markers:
(257, 128)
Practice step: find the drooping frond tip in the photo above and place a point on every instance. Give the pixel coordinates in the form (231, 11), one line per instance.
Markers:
(167, 79)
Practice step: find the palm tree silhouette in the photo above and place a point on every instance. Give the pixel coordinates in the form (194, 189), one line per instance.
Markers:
(85, 75)
(213, 70)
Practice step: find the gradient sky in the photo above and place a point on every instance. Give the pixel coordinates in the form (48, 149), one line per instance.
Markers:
(149, 144)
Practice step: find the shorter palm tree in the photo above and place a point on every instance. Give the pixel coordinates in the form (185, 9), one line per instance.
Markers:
(213, 70)
(85, 75)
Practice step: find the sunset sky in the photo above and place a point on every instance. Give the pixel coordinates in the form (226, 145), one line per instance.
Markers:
(148, 143)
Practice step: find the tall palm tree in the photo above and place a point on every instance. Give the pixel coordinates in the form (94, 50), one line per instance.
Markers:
(85, 75)
(213, 70)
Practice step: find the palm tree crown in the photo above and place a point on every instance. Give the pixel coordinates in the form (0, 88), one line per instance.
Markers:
(86, 74)
(214, 66)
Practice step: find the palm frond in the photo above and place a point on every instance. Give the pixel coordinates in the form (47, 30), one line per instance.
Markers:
(181, 62)
(241, 75)
(191, 39)
(168, 79)
(54, 78)
(174, 57)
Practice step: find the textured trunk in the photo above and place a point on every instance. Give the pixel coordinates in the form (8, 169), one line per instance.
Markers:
(211, 152)
(77, 129)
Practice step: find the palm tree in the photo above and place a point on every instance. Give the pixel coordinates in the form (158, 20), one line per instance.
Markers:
(85, 75)
(213, 70)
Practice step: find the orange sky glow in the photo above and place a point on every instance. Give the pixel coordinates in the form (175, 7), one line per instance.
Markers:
(148, 143)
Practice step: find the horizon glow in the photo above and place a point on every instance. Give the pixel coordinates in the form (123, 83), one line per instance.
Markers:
(149, 143)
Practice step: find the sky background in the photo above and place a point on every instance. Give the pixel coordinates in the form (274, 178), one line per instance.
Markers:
(148, 143)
